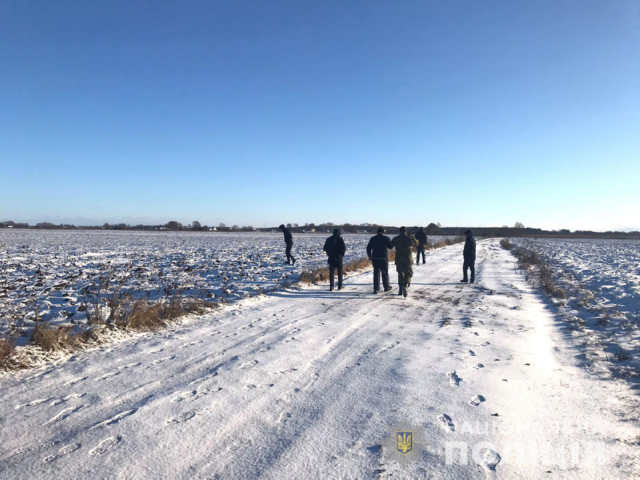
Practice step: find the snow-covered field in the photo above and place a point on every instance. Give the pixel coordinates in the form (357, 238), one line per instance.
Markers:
(306, 383)
(51, 273)
(48, 271)
(602, 312)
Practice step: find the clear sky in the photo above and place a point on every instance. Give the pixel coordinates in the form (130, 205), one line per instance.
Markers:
(262, 112)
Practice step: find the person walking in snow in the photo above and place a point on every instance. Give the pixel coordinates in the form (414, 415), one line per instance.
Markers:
(334, 247)
(377, 251)
(288, 240)
(403, 244)
(469, 257)
(421, 238)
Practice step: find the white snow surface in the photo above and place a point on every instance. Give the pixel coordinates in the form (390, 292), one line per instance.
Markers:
(52, 272)
(602, 309)
(306, 383)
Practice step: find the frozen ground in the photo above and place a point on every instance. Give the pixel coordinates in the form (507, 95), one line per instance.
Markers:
(303, 383)
(49, 272)
(53, 272)
(602, 312)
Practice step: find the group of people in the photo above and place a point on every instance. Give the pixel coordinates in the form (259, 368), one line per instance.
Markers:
(378, 252)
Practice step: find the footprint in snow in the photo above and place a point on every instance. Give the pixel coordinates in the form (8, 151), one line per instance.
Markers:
(109, 375)
(64, 413)
(454, 379)
(480, 365)
(183, 417)
(132, 365)
(184, 395)
(58, 401)
(477, 400)
(106, 445)
(472, 353)
(115, 419)
(446, 422)
(32, 403)
(250, 364)
(66, 450)
(73, 381)
(491, 459)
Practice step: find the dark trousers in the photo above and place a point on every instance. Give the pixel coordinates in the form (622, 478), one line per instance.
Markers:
(469, 263)
(333, 267)
(420, 250)
(404, 279)
(288, 252)
(380, 267)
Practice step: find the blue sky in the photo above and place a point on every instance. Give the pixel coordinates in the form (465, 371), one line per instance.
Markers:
(259, 113)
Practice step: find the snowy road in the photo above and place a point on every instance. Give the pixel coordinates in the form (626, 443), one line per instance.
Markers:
(315, 385)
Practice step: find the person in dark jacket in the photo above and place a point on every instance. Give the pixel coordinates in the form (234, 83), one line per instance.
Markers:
(377, 251)
(469, 256)
(421, 238)
(403, 244)
(288, 241)
(334, 247)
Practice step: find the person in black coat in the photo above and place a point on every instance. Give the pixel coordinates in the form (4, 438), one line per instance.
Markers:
(377, 251)
(469, 255)
(421, 237)
(288, 241)
(334, 247)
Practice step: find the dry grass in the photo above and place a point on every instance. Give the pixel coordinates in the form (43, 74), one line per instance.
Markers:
(125, 314)
(530, 261)
(322, 274)
(151, 316)
(506, 244)
(53, 338)
(7, 349)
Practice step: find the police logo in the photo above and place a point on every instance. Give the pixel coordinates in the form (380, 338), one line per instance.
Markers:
(404, 442)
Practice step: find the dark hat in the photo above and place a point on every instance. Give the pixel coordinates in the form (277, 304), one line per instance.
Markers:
(467, 232)
(336, 231)
(403, 229)
(281, 227)
(380, 229)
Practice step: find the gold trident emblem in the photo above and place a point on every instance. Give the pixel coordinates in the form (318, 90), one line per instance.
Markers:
(404, 442)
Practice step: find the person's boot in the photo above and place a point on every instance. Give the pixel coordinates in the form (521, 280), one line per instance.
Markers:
(400, 290)
(386, 289)
(293, 261)
(404, 292)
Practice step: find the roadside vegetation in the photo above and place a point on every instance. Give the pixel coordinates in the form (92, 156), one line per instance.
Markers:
(107, 318)
(536, 269)
(113, 312)
(600, 321)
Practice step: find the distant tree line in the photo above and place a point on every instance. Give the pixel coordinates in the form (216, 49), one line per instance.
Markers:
(432, 228)
(171, 225)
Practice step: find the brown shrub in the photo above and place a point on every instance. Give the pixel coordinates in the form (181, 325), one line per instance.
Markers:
(529, 260)
(7, 349)
(144, 316)
(54, 338)
(151, 316)
(506, 244)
